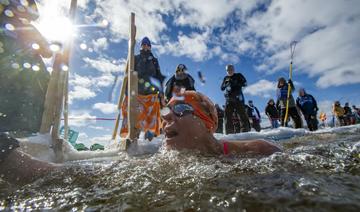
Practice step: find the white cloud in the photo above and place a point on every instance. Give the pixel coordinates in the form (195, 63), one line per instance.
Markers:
(263, 88)
(327, 34)
(193, 46)
(81, 118)
(80, 92)
(100, 44)
(106, 108)
(105, 65)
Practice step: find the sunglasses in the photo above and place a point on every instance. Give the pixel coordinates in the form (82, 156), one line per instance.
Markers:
(179, 110)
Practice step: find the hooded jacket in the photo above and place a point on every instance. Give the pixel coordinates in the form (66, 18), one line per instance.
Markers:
(187, 82)
(307, 104)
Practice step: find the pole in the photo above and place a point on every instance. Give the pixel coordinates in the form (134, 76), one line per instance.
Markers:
(73, 8)
(132, 84)
(292, 51)
(121, 99)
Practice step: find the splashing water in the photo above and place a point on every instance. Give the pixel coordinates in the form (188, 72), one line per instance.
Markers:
(315, 171)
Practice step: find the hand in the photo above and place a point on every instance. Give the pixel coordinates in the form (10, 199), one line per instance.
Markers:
(162, 101)
(290, 81)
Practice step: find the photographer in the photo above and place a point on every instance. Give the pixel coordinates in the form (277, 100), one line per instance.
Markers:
(232, 87)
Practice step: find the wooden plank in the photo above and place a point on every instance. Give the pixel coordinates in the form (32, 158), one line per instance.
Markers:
(121, 99)
(132, 84)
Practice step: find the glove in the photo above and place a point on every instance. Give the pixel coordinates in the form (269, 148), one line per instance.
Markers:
(290, 81)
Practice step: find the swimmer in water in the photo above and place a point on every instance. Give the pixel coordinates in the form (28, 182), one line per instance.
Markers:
(189, 121)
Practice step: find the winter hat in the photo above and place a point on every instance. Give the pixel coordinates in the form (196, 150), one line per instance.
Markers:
(145, 41)
(203, 107)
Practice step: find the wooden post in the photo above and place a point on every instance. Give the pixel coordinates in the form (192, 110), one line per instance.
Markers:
(132, 84)
(67, 50)
(49, 104)
(121, 99)
(57, 95)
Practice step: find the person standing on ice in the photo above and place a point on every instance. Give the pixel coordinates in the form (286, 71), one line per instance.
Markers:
(350, 119)
(254, 116)
(232, 86)
(181, 80)
(308, 106)
(272, 113)
(339, 113)
(282, 98)
(150, 92)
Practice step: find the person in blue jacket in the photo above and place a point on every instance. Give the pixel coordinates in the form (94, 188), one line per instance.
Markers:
(282, 98)
(308, 106)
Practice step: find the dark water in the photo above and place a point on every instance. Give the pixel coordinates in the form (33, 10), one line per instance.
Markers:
(314, 173)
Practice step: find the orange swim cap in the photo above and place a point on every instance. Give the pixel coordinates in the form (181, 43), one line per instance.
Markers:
(203, 107)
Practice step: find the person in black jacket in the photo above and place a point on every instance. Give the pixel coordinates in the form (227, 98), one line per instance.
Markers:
(220, 114)
(147, 66)
(232, 86)
(273, 114)
(281, 102)
(308, 106)
(180, 80)
(254, 116)
(349, 116)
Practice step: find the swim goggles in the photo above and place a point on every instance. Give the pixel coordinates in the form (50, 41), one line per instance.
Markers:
(179, 110)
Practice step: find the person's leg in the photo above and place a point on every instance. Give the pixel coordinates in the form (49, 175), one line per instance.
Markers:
(293, 112)
(308, 122)
(256, 125)
(229, 109)
(244, 119)
(282, 117)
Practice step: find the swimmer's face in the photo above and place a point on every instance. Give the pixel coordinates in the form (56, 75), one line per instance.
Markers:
(183, 132)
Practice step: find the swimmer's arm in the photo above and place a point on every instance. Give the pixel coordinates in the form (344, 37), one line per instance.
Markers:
(21, 168)
(253, 147)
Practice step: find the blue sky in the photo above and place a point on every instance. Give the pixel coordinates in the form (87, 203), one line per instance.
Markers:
(207, 35)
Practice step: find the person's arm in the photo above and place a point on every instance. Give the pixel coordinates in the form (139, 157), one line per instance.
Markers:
(20, 168)
(159, 75)
(241, 80)
(292, 85)
(225, 83)
(252, 147)
(192, 83)
(315, 103)
(257, 111)
(267, 111)
(168, 89)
